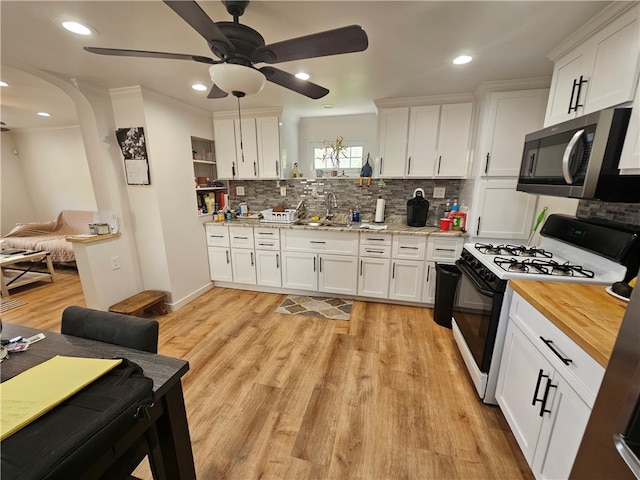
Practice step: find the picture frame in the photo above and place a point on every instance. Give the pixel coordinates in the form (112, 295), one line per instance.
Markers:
(134, 150)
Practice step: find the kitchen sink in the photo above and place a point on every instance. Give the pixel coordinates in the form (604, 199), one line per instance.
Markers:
(327, 224)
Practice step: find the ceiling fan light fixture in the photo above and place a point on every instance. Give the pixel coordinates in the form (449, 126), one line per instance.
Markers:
(232, 77)
(43, 114)
(3, 84)
(302, 75)
(462, 59)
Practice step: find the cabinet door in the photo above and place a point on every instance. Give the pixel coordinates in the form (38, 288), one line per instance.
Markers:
(406, 280)
(300, 271)
(244, 266)
(373, 277)
(522, 379)
(502, 211)
(392, 141)
(338, 274)
(268, 134)
(453, 140)
(566, 71)
(220, 264)
(423, 141)
(561, 433)
(429, 288)
(268, 268)
(225, 145)
(512, 115)
(615, 69)
(246, 149)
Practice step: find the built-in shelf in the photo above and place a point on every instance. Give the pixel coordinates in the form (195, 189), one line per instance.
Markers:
(205, 172)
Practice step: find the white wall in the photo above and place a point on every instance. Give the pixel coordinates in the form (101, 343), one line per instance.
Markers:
(351, 127)
(15, 202)
(54, 165)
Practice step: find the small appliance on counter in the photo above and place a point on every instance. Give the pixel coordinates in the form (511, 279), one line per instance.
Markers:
(417, 209)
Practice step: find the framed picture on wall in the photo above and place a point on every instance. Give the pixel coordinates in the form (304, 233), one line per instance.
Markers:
(134, 150)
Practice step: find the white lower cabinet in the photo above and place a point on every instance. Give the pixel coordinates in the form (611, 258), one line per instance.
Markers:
(338, 274)
(538, 393)
(373, 277)
(429, 288)
(299, 271)
(268, 268)
(220, 264)
(244, 266)
(406, 280)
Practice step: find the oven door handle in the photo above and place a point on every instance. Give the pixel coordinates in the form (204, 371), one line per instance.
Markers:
(477, 283)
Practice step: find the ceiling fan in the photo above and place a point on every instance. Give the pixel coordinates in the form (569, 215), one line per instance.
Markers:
(240, 47)
(3, 128)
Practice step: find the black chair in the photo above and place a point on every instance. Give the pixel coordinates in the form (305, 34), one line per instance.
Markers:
(110, 327)
(126, 331)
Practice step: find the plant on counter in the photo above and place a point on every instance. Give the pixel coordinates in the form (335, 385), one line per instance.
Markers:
(334, 151)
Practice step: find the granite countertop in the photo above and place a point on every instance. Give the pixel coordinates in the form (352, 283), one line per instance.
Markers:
(395, 224)
(586, 313)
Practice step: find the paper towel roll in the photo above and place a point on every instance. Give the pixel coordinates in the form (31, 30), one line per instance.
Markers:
(379, 211)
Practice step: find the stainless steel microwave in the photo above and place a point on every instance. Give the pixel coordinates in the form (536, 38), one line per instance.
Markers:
(579, 159)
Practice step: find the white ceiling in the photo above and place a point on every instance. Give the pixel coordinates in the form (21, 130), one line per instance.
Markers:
(411, 45)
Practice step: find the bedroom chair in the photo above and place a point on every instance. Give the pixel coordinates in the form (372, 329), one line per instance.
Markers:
(126, 331)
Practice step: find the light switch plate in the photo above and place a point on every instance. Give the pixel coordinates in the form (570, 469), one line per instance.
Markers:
(283, 191)
(240, 190)
(438, 192)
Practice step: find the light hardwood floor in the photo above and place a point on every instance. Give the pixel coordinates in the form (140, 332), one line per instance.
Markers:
(382, 396)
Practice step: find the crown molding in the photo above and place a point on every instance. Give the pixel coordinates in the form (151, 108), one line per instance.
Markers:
(424, 100)
(533, 83)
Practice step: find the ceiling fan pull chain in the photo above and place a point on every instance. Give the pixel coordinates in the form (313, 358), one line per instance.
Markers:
(240, 122)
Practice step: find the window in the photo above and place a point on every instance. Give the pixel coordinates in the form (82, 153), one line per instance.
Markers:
(350, 158)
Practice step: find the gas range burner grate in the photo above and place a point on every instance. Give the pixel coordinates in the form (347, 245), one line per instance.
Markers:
(512, 250)
(543, 267)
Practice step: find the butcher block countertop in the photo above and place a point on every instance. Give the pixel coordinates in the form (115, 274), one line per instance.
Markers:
(586, 313)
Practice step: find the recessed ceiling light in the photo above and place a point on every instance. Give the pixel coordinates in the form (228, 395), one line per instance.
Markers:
(327, 105)
(302, 76)
(3, 84)
(43, 114)
(200, 87)
(462, 59)
(76, 27)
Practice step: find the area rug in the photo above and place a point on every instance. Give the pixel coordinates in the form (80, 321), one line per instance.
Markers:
(10, 304)
(333, 308)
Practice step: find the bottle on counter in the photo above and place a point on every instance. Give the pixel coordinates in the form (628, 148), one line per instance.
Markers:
(356, 214)
(447, 209)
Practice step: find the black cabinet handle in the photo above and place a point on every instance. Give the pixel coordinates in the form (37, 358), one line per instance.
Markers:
(409, 167)
(374, 251)
(265, 244)
(277, 168)
(277, 260)
(549, 343)
(445, 249)
(409, 248)
(320, 264)
(360, 267)
(439, 162)
(478, 227)
(428, 272)
(535, 399)
(486, 165)
(316, 241)
(227, 253)
(251, 258)
(549, 386)
(393, 274)
(241, 238)
(573, 91)
(578, 105)
(265, 233)
(314, 264)
(375, 239)
(380, 165)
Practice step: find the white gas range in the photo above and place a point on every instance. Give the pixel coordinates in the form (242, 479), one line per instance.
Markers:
(571, 250)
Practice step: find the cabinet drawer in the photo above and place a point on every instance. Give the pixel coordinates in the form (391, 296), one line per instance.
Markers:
(241, 237)
(217, 235)
(266, 238)
(441, 249)
(410, 247)
(382, 251)
(374, 239)
(343, 243)
(582, 372)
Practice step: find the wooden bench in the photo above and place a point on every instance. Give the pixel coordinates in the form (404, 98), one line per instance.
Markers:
(151, 300)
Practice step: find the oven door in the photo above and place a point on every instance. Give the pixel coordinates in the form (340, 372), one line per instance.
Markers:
(477, 314)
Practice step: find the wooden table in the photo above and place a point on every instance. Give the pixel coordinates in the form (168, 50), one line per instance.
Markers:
(169, 415)
(15, 275)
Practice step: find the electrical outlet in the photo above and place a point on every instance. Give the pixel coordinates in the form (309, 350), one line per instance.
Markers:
(283, 191)
(240, 190)
(115, 263)
(438, 192)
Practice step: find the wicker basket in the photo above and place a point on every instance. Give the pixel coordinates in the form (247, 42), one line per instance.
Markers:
(288, 216)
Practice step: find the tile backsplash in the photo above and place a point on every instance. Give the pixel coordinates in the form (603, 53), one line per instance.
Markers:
(262, 194)
(624, 213)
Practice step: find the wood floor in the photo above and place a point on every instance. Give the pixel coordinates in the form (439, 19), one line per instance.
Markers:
(382, 396)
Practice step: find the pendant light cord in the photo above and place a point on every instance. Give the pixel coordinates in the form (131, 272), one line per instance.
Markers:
(240, 122)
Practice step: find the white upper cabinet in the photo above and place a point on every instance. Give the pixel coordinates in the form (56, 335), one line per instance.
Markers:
(423, 141)
(511, 115)
(630, 156)
(248, 151)
(599, 73)
(453, 140)
(393, 124)
(268, 135)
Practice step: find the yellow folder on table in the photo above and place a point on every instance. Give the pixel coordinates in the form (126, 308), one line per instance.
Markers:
(34, 392)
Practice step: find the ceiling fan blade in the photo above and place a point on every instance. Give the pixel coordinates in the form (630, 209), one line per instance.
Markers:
(143, 53)
(216, 92)
(331, 42)
(191, 13)
(289, 81)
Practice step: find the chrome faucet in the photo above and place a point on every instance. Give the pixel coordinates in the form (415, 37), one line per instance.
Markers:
(327, 203)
